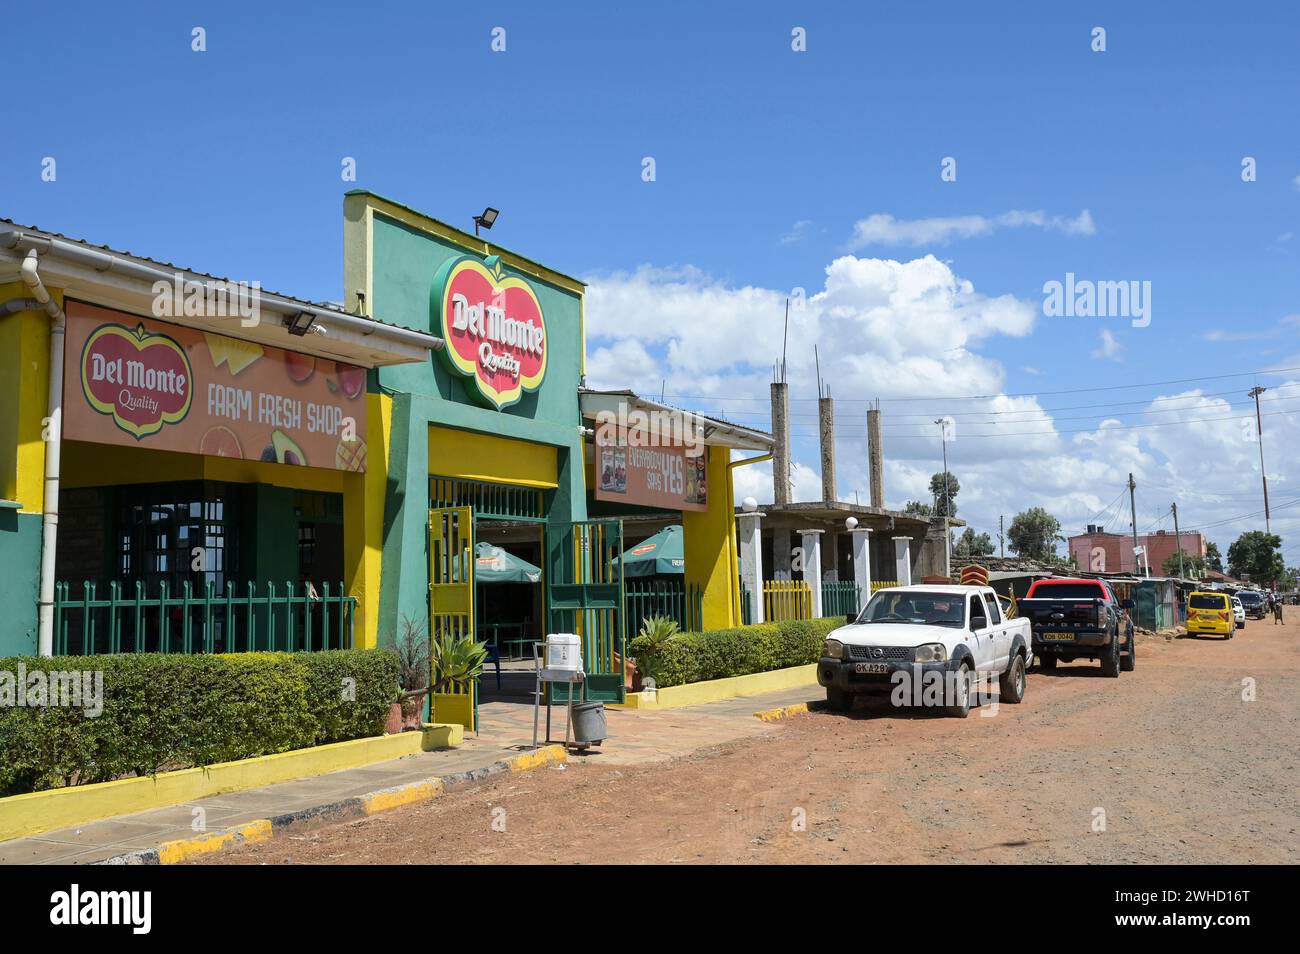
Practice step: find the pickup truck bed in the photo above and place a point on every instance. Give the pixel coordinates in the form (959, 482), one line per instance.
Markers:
(1079, 619)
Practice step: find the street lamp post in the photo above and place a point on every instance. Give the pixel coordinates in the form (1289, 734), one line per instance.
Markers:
(1255, 392)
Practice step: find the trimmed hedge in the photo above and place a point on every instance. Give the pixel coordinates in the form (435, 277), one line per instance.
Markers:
(167, 711)
(720, 653)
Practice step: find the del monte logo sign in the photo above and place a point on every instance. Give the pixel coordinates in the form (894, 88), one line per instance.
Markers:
(141, 380)
(493, 328)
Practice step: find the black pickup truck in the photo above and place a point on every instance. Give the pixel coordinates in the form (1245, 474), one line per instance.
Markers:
(1079, 619)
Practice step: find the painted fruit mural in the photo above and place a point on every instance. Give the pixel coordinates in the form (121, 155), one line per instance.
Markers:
(140, 382)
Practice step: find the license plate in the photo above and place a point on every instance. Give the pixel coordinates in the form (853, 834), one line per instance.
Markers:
(870, 667)
(1058, 637)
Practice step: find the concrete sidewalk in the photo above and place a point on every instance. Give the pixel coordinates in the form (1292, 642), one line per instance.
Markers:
(505, 732)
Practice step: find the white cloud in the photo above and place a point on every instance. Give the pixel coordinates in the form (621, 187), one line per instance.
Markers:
(883, 229)
(798, 232)
(1110, 347)
(911, 333)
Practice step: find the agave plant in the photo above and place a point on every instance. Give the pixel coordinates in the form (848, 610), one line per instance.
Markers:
(655, 633)
(457, 659)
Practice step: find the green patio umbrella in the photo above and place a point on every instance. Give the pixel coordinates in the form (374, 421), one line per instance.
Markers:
(662, 553)
(494, 565)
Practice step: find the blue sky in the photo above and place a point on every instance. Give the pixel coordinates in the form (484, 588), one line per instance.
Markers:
(229, 161)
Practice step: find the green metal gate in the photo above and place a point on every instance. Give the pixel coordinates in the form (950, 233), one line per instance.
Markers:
(585, 596)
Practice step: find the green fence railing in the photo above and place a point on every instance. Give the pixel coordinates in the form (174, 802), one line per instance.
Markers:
(672, 598)
(842, 598)
(263, 617)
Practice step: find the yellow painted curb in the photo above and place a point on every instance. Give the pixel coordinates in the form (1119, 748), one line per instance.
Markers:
(543, 756)
(783, 712)
(35, 812)
(388, 798)
(716, 690)
(174, 852)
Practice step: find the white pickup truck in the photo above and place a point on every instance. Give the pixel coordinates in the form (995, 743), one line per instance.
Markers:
(934, 634)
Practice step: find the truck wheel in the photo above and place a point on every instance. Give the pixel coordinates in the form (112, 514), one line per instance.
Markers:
(1011, 687)
(1110, 662)
(961, 688)
(1129, 661)
(1046, 662)
(838, 699)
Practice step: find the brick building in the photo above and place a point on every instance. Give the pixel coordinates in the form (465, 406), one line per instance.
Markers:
(1102, 552)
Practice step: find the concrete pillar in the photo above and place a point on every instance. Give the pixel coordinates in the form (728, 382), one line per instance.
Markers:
(826, 436)
(876, 458)
(903, 560)
(781, 443)
(781, 554)
(812, 567)
(862, 563)
(751, 561)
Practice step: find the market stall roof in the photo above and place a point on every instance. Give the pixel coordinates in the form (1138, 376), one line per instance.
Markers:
(495, 565)
(712, 430)
(662, 553)
(113, 278)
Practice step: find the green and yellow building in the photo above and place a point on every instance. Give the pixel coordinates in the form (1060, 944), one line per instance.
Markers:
(187, 464)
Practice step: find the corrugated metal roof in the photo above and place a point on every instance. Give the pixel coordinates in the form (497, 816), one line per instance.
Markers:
(147, 260)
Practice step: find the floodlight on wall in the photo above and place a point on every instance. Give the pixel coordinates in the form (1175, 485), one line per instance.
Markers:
(486, 219)
(300, 324)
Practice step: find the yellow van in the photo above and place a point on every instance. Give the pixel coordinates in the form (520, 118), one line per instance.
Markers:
(1210, 614)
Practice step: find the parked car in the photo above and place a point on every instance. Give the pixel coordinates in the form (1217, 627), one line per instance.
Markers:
(1238, 613)
(957, 632)
(1080, 619)
(1254, 603)
(1210, 614)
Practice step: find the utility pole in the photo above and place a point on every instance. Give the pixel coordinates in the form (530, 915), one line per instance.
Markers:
(1133, 520)
(1255, 392)
(947, 501)
(1002, 550)
(1182, 575)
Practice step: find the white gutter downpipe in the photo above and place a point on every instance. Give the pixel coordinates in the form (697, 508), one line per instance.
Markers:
(53, 444)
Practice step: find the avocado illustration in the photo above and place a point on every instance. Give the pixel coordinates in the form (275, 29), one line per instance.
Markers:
(283, 450)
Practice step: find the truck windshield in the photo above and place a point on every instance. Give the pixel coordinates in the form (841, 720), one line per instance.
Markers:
(926, 609)
(1066, 591)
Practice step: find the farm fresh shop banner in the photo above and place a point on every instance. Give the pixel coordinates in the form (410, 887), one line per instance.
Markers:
(142, 383)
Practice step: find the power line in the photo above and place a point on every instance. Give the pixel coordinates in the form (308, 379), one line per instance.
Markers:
(1082, 430)
(978, 397)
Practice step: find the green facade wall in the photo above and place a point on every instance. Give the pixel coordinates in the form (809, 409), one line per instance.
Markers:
(404, 261)
(20, 558)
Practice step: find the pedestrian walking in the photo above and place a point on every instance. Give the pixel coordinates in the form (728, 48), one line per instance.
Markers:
(1277, 609)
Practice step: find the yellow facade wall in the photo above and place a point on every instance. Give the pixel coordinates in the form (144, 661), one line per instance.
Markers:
(471, 455)
(24, 394)
(709, 538)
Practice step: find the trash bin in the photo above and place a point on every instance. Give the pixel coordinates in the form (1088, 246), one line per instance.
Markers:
(589, 723)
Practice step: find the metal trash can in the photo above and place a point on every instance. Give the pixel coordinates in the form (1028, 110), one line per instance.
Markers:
(589, 723)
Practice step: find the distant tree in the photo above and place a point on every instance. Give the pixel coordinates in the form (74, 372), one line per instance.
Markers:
(917, 509)
(1033, 533)
(972, 544)
(1256, 555)
(945, 505)
(1213, 559)
(1193, 564)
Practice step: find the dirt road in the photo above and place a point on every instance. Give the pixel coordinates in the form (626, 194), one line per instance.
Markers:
(1170, 759)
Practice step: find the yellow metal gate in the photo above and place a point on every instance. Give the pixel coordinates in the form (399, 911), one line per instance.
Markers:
(451, 588)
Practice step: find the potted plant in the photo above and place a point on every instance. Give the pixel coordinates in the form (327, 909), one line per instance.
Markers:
(413, 656)
(649, 644)
(457, 662)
